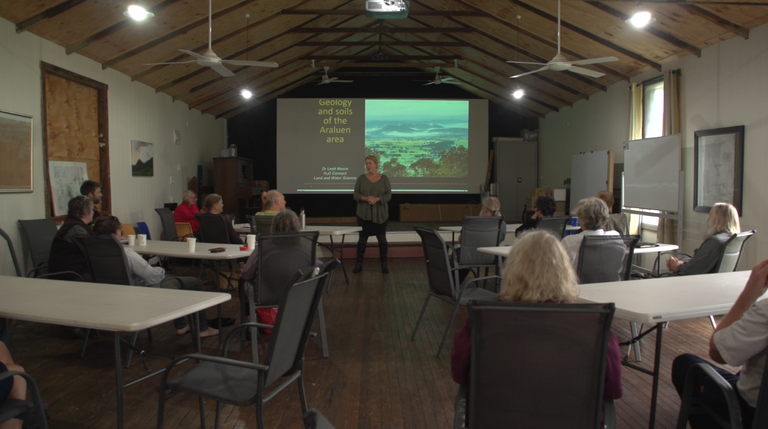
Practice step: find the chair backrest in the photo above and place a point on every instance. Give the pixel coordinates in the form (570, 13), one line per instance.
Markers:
(39, 235)
(519, 372)
(280, 256)
(298, 305)
(479, 231)
(128, 229)
(106, 259)
(261, 224)
(732, 252)
(606, 258)
(184, 230)
(213, 228)
(169, 225)
(555, 225)
(619, 223)
(144, 229)
(12, 252)
(439, 275)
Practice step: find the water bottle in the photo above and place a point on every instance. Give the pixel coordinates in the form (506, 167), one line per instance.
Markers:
(303, 219)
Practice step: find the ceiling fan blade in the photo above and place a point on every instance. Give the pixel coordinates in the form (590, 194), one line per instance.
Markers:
(429, 83)
(322, 82)
(195, 54)
(594, 61)
(223, 71)
(342, 81)
(269, 64)
(452, 83)
(167, 64)
(586, 72)
(530, 72)
(526, 62)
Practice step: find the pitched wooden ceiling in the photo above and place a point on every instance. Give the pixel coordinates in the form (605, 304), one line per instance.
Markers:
(469, 39)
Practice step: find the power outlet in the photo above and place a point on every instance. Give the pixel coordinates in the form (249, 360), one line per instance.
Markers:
(173, 180)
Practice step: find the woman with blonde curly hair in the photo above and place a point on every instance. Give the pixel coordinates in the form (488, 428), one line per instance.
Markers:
(537, 270)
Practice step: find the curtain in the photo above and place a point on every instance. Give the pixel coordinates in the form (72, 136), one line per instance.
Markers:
(667, 230)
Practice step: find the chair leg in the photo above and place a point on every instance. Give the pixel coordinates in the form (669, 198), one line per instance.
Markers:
(712, 320)
(259, 413)
(218, 415)
(254, 330)
(321, 322)
(447, 329)
(161, 409)
(85, 342)
(201, 401)
(130, 350)
(302, 393)
(418, 322)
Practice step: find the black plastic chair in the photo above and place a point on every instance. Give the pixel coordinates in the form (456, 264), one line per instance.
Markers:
(606, 258)
(168, 223)
(477, 231)
(38, 234)
(280, 256)
(28, 411)
(519, 375)
(555, 225)
(242, 383)
(260, 224)
(690, 406)
(442, 283)
(213, 229)
(316, 420)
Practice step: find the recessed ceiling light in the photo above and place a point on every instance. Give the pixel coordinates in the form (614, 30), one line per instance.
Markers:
(138, 13)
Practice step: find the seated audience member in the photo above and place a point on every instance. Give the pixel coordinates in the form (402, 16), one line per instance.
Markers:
(593, 216)
(185, 212)
(263, 199)
(739, 340)
(491, 207)
(275, 204)
(722, 223)
(285, 221)
(147, 275)
(543, 206)
(616, 221)
(92, 190)
(537, 270)
(65, 255)
(214, 204)
(13, 387)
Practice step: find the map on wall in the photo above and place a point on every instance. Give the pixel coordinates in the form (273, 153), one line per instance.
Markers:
(66, 178)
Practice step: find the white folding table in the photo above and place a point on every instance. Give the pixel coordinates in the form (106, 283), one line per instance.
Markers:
(107, 307)
(504, 250)
(180, 249)
(666, 299)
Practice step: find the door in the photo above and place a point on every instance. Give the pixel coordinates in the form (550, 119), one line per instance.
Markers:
(516, 168)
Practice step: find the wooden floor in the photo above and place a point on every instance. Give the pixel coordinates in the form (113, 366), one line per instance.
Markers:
(375, 375)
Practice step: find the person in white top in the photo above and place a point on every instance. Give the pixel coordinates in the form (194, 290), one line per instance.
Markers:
(593, 217)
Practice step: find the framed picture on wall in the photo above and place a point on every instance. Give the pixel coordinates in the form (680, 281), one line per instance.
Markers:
(718, 167)
(15, 152)
(142, 161)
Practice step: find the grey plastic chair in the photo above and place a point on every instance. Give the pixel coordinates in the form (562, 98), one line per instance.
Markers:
(517, 358)
(243, 384)
(477, 231)
(442, 282)
(260, 224)
(38, 234)
(169, 224)
(555, 225)
(732, 252)
(606, 258)
(27, 411)
(690, 406)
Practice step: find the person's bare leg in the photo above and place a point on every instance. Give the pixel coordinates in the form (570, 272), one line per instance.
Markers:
(5, 354)
(19, 391)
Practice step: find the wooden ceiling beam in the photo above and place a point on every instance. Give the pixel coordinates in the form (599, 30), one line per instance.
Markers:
(362, 12)
(383, 58)
(649, 29)
(384, 43)
(71, 49)
(384, 30)
(717, 20)
(607, 43)
(384, 65)
(46, 15)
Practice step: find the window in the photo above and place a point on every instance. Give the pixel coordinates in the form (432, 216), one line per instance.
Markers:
(653, 108)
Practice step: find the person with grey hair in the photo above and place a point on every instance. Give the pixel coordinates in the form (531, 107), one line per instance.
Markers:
(275, 203)
(186, 211)
(593, 217)
(65, 255)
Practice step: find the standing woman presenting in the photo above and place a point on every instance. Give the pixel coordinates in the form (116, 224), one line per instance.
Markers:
(372, 193)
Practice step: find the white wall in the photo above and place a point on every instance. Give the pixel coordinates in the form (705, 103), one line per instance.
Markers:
(135, 113)
(725, 87)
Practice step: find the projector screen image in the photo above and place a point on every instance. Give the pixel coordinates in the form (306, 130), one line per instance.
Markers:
(423, 146)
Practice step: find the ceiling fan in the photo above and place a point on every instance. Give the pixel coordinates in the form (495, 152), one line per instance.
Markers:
(326, 80)
(211, 60)
(439, 79)
(559, 63)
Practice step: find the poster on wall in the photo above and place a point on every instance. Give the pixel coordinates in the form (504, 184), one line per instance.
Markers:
(15, 152)
(142, 159)
(66, 178)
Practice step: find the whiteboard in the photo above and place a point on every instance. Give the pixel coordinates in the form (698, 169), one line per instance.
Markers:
(651, 173)
(590, 174)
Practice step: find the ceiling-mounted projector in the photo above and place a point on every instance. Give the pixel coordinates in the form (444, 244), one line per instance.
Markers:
(387, 9)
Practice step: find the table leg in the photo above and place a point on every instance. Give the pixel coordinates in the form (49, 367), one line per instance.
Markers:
(656, 367)
(341, 256)
(118, 381)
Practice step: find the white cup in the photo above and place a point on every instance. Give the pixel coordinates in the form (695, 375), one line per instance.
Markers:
(131, 240)
(251, 240)
(191, 243)
(141, 239)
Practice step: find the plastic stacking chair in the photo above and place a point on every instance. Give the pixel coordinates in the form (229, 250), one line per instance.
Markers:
(441, 281)
(691, 406)
(28, 411)
(555, 225)
(128, 229)
(243, 384)
(316, 420)
(517, 349)
(144, 229)
(184, 230)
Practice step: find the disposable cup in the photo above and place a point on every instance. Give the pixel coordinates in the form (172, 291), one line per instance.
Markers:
(141, 239)
(131, 240)
(251, 240)
(191, 243)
